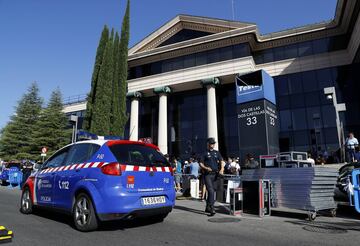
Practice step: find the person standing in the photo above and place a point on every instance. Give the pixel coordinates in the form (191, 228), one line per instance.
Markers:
(178, 174)
(212, 164)
(310, 159)
(194, 168)
(234, 168)
(350, 143)
(250, 162)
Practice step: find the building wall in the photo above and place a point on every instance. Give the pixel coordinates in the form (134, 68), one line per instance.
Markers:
(302, 61)
(307, 118)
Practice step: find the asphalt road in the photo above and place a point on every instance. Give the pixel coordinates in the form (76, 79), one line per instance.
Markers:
(186, 225)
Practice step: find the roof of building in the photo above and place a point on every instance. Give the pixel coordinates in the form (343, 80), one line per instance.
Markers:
(217, 29)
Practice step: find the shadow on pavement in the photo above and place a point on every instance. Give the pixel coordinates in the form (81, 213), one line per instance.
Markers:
(55, 216)
(127, 224)
(345, 225)
(103, 226)
(191, 210)
(294, 215)
(347, 212)
(342, 212)
(218, 209)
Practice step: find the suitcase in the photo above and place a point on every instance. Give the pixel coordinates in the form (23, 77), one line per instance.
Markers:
(194, 188)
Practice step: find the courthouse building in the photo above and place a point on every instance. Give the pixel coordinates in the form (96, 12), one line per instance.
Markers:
(181, 87)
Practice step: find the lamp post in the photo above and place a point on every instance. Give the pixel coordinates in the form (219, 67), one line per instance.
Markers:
(74, 122)
(330, 94)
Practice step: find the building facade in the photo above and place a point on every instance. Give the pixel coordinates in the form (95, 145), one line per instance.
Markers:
(181, 87)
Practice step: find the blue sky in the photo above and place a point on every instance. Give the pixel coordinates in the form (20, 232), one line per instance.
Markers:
(54, 42)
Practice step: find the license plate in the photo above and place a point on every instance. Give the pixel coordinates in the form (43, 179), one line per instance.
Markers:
(153, 200)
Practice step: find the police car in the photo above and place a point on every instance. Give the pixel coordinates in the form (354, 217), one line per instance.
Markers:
(101, 180)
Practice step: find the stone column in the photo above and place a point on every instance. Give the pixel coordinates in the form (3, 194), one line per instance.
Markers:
(162, 124)
(134, 115)
(212, 127)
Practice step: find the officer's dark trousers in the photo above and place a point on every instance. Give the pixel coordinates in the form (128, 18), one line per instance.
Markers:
(210, 182)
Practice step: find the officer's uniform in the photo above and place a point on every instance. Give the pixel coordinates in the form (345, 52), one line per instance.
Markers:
(212, 159)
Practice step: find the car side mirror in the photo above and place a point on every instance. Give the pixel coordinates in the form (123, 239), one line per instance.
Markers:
(43, 167)
(37, 166)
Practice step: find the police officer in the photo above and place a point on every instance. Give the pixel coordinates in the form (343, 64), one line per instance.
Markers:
(212, 165)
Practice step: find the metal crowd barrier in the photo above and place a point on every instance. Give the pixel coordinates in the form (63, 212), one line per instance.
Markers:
(191, 185)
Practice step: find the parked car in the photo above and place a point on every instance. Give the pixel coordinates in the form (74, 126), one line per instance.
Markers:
(12, 165)
(342, 187)
(100, 180)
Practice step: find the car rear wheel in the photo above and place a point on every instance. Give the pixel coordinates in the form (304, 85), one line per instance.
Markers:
(84, 214)
(26, 206)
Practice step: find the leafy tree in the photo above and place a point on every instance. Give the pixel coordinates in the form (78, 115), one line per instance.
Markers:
(98, 61)
(51, 129)
(15, 142)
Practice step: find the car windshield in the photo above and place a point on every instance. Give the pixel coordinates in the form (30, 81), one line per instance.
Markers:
(138, 155)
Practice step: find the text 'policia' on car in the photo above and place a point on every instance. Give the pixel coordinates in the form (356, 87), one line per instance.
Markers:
(103, 180)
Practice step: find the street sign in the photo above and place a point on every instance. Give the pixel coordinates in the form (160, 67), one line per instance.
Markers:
(43, 154)
(257, 114)
(44, 150)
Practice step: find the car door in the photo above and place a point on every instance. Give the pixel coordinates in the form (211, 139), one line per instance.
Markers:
(44, 184)
(66, 179)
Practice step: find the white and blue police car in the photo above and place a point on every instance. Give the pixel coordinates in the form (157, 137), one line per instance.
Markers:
(101, 180)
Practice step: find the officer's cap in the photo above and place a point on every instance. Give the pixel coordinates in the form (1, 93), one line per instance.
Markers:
(211, 141)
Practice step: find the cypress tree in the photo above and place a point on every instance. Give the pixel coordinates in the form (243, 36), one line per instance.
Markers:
(15, 142)
(51, 130)
(123, 67)
(101, 112)
(94, 79)
(116, 113)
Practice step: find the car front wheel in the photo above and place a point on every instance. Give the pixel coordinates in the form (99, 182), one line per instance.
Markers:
(84, 214)
(26, 206)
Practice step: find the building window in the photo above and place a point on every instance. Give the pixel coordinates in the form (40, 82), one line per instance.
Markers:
(295, 84)
(305, 49)
(309, 81)
(299, 119)
(290, 51)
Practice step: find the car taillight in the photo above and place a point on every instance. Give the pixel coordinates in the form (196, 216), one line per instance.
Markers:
(111, 169)
(171, 171)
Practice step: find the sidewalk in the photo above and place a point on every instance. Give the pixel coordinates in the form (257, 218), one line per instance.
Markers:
(222, 210)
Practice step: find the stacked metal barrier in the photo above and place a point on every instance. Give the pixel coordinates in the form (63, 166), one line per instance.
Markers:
(309, 189)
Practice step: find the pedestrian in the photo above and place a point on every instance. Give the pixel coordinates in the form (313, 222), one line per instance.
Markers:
(186, 167)
(357, 154)
(350, 143)
(194, 168)
(178, 174)
(250, 162)
(310, 159)
(227, 166)
(212, 164)
(234, 168)
(27, 168)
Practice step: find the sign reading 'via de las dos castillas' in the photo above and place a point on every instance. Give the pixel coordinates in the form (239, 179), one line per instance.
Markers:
(257, 114)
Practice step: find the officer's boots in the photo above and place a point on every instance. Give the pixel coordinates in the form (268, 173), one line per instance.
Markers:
(210, 209)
